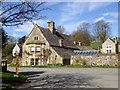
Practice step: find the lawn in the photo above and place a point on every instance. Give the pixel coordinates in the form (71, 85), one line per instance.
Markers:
(95, 45)
(8, 79)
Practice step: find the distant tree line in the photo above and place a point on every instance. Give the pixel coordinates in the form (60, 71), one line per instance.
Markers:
(87, 33)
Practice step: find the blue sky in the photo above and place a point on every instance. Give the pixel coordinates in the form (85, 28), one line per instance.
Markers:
(72, 14)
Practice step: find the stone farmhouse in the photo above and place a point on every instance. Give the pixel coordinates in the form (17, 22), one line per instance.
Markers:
(110, 46)
(46, 46)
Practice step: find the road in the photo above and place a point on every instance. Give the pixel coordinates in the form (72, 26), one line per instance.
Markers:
(69, 77)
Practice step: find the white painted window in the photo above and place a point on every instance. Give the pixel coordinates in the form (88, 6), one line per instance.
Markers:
(32, 49)
(108, 45)
(38, 49)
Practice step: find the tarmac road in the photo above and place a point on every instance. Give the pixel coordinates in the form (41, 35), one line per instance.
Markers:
(69, 77)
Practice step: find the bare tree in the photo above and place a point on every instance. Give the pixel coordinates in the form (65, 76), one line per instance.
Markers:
(101, 30)
(11, 40)
(61, 29)
(82, 34)
(16, 13)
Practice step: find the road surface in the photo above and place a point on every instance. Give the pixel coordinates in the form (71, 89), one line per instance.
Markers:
(69, 77)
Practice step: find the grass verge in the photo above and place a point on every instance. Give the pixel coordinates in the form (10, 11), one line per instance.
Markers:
(69, 66)
(87, 66)
(46, 66)
(8, 79)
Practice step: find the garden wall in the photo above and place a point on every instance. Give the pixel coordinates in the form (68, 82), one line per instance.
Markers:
(95, 60)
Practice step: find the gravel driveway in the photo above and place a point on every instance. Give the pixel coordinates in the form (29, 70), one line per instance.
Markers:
(69, 77)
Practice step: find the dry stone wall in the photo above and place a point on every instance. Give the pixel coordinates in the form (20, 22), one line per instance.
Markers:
(95, 60)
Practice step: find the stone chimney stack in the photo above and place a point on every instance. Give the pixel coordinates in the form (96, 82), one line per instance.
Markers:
(74, 42)
(115, 40)
(51, 27)
(79, 43)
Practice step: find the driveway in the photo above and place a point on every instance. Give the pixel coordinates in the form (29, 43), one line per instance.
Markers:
(69, 77)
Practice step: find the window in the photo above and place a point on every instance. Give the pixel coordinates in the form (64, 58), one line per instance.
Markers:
(36, 38)
(37, 49)
(108, 45)
(32, 61)
(32, 49)
(107, 51)
(37, 61)
(110, 51)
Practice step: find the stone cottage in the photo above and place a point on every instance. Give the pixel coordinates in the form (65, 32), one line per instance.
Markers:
(46, 46)
(110, 46)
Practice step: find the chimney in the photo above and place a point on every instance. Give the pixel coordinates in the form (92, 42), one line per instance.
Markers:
(51, 26)
(79, 43)
(74, 42)
(115, 40)
(61, 42)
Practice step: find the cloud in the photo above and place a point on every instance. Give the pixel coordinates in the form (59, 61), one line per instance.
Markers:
(97, 5)
(112, 21)
(28, 26)
(71, 9)
(72, 26)
(15, 35)
(19, 30)
(113, 14)
(101, 18)
(107, 20)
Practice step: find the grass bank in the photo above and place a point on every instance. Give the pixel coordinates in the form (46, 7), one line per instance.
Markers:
(95, 45)
(8, 79)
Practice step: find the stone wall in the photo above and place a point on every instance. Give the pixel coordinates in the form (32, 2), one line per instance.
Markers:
(95, 60)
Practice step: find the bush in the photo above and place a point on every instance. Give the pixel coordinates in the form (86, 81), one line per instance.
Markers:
(9, 58)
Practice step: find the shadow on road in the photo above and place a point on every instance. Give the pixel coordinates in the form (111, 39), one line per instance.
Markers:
(62, 81)
(32, 74)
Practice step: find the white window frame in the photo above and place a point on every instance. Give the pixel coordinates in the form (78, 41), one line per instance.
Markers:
(32, 49)
(37, 49)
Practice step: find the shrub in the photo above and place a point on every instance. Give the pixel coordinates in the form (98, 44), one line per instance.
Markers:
(9, 58)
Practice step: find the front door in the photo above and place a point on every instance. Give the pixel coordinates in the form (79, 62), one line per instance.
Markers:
(66, 61)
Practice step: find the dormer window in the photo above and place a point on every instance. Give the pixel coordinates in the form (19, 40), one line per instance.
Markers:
(61, 42)
(36, 38)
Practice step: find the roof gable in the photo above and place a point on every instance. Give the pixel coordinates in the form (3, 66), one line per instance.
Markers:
(109, 40)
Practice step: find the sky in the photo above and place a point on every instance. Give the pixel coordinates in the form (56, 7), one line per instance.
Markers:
(70, 15)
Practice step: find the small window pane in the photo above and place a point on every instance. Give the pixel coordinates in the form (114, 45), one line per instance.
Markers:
(32, 61)
(37, 49)
(32, 49)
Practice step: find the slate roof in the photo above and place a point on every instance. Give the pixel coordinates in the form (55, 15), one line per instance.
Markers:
(86, 48)
(68, 46)
(53, 39)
